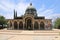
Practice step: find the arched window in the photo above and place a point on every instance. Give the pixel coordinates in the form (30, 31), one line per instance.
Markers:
(36, 27)
(42, 25)
(15, 25)
(20, 25)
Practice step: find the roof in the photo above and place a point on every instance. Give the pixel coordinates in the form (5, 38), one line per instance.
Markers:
(30, 7)
(39, 17)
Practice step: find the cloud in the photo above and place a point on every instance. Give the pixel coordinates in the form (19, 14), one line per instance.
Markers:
(42, 8)
(20, 7)
(48, 13)
(5, 5)
(9, 7)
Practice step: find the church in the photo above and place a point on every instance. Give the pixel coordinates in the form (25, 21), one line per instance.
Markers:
(29, 21)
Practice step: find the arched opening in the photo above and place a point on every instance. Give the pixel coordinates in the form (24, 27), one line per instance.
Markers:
(42, 26)
(36, 27)
(21, 25)
(28, 24)
(15, 25)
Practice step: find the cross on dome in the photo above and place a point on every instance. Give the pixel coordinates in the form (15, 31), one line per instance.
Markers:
(30, 4)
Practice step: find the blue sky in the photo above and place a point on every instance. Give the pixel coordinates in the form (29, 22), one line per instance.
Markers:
(48, 8)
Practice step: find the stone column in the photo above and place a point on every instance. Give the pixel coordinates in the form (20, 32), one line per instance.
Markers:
(33, 25)
(23, 25)
(12, 25)
(8, 26)
(39, 26)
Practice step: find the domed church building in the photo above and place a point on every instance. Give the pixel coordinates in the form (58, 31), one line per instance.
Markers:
(29, 21)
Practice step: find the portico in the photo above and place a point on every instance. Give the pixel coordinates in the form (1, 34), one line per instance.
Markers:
(29, 21)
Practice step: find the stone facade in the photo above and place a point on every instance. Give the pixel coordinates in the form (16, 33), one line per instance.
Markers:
(29, 21)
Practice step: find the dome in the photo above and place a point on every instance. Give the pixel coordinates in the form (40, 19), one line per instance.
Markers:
(31, 10)
(30, 7)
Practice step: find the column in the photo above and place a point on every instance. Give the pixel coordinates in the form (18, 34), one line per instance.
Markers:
(23, 25)
(8, 26)
(12, 25)
(39, 26)
(33, 25)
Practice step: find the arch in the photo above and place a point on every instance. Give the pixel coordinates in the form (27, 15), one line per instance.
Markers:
(36, 27)
(28, 23)
(20, 25)
(15, 25)
(42, 26)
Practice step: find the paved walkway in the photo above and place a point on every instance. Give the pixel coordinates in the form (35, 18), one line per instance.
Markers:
(29, 35)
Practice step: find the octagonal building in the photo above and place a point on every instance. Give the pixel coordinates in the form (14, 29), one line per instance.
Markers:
(29, 21)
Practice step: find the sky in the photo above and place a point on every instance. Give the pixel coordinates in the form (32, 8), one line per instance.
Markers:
(48, 8)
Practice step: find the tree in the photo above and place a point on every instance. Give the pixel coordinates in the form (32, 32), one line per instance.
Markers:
(57, 23)
(2, 20)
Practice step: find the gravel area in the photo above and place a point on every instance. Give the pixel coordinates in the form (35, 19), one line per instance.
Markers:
(29, 35)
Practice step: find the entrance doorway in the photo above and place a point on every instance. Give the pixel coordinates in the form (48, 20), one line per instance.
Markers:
(28, 23)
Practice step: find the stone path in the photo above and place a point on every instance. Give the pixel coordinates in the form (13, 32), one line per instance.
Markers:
(29, 35)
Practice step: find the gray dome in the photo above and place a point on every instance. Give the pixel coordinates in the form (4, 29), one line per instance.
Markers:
(31, 10)
(30, 7)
